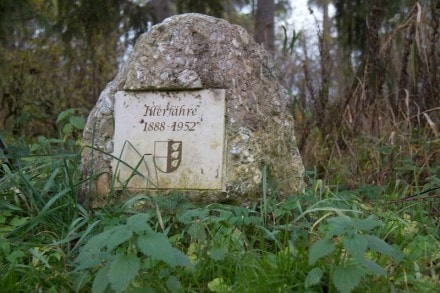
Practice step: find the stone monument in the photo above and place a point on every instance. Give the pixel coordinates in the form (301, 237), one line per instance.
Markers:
(197, 108)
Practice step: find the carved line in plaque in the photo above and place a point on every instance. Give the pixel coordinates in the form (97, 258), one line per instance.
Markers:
(135, 169)
(166, 158)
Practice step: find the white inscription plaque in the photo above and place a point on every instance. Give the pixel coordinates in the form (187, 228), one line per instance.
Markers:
(169, 140)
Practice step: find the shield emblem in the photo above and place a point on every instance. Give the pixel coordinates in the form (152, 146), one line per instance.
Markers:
(167, 155)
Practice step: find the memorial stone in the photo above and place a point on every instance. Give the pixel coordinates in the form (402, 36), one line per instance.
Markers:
(196, 108)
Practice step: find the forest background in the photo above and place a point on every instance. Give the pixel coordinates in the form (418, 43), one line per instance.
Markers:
(365, 95)
(366, 92)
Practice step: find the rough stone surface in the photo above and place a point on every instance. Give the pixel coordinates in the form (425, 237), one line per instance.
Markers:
(194, 51)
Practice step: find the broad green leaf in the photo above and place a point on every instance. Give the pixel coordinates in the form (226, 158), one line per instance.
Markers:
(138, 223)
(14, 255)
(377, 244)
(197, 231)
(157, 246)
(63, 115)
(86, 254)
(344, 221)
(174, 284)
(91, 259)
(191, 215)
(346, 278)
(101, 281)
(218, 285)
(218, 253)
(313, 277)
(374, 267)
(356, 245)
(338, 226)
(67, 129)
(98, 241)
(118, 237)
(320, 249)
(77, 121)
(34, 147)
(123, 270)
(18, 221)
(5, 247)
(367, 224)
(192, 252)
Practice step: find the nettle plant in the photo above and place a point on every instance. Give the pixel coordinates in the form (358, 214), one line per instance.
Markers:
(130, 255)
(346, 252)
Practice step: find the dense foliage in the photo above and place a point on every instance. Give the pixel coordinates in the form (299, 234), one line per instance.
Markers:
(367, 110)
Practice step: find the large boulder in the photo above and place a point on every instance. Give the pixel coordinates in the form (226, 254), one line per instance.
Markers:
(213, 69)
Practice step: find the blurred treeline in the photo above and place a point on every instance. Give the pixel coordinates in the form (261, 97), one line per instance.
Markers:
(365, 95)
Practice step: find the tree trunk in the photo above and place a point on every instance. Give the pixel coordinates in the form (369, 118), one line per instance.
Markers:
(374, 70)
(264, 24)
(324, 50)
(434, 56)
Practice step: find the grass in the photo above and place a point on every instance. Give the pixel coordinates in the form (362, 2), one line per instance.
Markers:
(330, 239)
